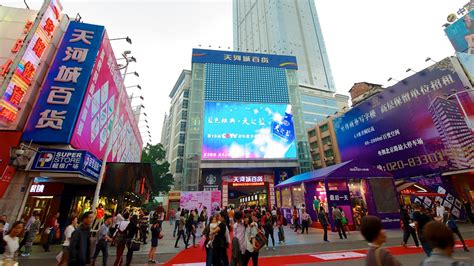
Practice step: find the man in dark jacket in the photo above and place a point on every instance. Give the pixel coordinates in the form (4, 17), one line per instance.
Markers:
(79, 247)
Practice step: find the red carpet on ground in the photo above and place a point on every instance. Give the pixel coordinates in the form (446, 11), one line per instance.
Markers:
(198, 255)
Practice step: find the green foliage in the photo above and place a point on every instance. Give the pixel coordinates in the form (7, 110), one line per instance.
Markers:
(162, 178)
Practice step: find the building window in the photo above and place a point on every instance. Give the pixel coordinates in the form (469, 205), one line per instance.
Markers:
(324, 128)
(328, 153)
(185, 103)
(316, 157)
(313, 145)
(312, 133)
(182, 137)
(326, 140)
(184, 115)
(183, 126)
(181, 151)
(186, 93)
(179, 166)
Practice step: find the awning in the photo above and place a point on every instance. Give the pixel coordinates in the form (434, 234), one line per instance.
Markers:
(346, 170)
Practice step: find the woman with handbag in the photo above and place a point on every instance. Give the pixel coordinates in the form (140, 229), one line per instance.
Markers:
(120, 238)
(250, 237)
(133, 243)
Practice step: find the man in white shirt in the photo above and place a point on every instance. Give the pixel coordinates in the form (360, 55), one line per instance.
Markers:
(177, 216)
(439, 211)
(6, 227)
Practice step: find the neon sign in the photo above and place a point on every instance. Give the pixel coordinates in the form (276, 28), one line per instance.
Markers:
(28, 65)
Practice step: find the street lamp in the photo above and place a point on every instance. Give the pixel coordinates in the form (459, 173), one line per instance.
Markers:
(390, 79)
(132, 59)
(138, 86)
(124, 38)
(134, 73)
(410, 70)
(429, 59)
(135, 97)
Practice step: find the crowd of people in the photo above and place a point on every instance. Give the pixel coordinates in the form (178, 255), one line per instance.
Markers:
(126, 230)
(251, 229)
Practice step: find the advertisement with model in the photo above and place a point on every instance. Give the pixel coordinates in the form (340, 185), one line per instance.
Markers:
(461, 33)
(418, 126)
(248, 131)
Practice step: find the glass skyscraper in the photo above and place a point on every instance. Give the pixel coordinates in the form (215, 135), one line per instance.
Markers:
(291, 27)
(285, 27)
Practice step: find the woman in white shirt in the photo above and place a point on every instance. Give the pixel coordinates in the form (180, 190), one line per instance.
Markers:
(67, 238)
(12, 241)
(250, 234)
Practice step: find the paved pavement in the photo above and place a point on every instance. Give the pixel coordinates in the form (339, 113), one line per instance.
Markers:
(295, 244)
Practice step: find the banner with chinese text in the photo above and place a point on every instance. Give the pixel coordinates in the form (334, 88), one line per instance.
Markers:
(418, 126)
(61, 96)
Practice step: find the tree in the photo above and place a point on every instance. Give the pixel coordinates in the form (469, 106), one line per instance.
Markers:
(162, 178)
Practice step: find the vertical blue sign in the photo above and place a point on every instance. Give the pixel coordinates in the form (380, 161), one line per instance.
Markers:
(54, 116)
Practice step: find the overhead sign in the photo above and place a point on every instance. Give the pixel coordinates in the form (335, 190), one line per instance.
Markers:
(67, 161)
(22, 74)
(60, 99)
(421, 125)
(240, 58)
(244, 181)
(94, 126)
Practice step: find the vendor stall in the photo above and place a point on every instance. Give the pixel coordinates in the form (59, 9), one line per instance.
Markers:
(357, 188)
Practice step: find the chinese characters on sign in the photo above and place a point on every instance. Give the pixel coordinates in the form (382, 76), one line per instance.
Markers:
(67, 161)
(37, 188)
(413, 127)
(24, 72)
(238, 181)
(59, 101)
(246, 58)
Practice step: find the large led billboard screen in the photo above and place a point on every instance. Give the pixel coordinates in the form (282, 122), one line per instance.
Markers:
(248, 131)
(421, 125)
(461, 33)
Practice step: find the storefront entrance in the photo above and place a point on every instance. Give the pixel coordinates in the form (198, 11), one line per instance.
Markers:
(250, 190)
(253, 195)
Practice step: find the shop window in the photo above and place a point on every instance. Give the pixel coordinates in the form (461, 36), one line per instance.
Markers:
(286, 198)
(298, 196)
(384, 195)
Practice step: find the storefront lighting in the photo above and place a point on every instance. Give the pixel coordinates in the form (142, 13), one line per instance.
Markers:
(420, 188)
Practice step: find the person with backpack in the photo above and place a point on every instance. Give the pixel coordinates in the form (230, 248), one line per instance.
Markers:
(251, 251)
(280, 222)
(448, 219)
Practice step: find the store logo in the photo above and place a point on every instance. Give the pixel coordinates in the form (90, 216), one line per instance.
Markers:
(45, 160)
(283, 176)
(211, 179)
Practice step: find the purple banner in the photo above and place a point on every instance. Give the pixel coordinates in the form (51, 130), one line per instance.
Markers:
(418, 126)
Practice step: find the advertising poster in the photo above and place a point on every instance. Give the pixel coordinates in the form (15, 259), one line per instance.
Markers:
(191, 200)
(94, 126)
(248, 131)
(408, 129)
(60, 98)
(467, 61)
(461, 33)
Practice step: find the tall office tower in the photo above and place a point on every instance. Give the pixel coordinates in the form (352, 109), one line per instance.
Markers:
(454, 131)
(291, 27)
(174, 127)
(285, 27)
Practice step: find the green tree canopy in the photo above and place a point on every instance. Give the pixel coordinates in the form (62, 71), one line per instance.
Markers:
(162, 178)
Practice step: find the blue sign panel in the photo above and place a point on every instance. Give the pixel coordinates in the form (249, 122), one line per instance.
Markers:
(61, 96)
(240, 58)
(67, 161)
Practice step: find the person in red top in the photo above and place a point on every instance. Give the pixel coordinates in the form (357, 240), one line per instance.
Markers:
(99, 217)
(49, 233)
(296, 219)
